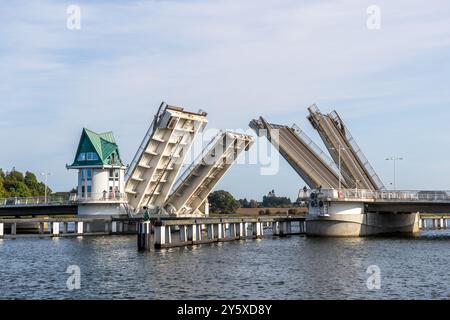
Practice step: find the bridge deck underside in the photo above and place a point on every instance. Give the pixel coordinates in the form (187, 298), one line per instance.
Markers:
(305, 161)
(338, 142)
(195, 187)
(160, 158)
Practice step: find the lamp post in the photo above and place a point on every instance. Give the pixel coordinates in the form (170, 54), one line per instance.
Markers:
(46, 175)
(395, 159)
(340, 148)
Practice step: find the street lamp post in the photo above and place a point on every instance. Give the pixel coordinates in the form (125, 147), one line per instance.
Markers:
(395, 159)
(340, 148)
(46, 175)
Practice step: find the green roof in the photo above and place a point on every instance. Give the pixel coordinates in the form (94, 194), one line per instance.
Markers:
(102, 145)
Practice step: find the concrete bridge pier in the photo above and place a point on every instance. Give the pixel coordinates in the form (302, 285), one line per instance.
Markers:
(2, 230)
(79, 227)
(55, 229)
(13, 230)
(258, 230)
(232, 230)
(145, 235)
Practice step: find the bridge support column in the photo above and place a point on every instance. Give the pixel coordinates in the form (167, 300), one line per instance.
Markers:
(192, 232)
(79, 227)
(240, 230)
(198, 230)
(114, 227)
(184, 233)
(88, 227)
(246, 230)
(14, 229)
(442, 224)
(168, 234)
(2, 230)
(285, 228)
(275, 228)
(257, 229)
(210, 231)
(220, 231)
(302, 226)
(424, 223)
(106, 227)
(232, 230)
(420, 223)
(160, 236)
(55, 229)
(65, 227)
(144, 235)
(446, 223)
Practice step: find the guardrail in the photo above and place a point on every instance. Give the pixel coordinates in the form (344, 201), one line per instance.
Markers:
(385, 195)
(73, 198)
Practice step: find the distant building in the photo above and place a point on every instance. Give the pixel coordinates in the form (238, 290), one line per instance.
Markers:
(101, 175)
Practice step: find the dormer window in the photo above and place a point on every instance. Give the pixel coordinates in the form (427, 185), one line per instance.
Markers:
(91, 156)
(87, 156)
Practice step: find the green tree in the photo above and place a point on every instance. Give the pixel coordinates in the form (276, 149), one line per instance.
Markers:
(2, 187)
(36, 188)
(222, 202)
(15, 184)
(244, 203)
(253, 204)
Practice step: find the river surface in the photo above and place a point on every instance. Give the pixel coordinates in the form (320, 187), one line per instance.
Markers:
(271, 268)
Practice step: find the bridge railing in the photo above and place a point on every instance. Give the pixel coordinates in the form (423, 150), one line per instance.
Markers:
(385, 195)
(104, 196)
(29, 201)
(73, 198)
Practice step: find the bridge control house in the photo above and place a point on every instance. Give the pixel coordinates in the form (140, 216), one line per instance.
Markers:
(101, 175)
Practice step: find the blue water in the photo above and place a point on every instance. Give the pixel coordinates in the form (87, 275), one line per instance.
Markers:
(271, 268)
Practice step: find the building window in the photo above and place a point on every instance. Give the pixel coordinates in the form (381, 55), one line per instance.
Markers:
(87, 156)
(86, 173)
(89, 189)
(91, 156)
(113, 175)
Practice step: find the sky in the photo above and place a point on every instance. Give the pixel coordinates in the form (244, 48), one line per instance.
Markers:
(237, 60)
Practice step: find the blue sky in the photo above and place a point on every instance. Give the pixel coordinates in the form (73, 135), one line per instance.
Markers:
(237, 60)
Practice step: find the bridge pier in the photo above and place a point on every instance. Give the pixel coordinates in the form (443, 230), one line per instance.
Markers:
(232, 230)
(65, 227)
(145, 236)
(55, 229)
(79, 227)
(2, 230)
(257, 229)
(160, 236)
(190, 231)
(13, 229)
(114, 227)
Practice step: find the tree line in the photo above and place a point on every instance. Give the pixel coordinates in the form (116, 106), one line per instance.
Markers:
(223, 202)
(17, 184)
